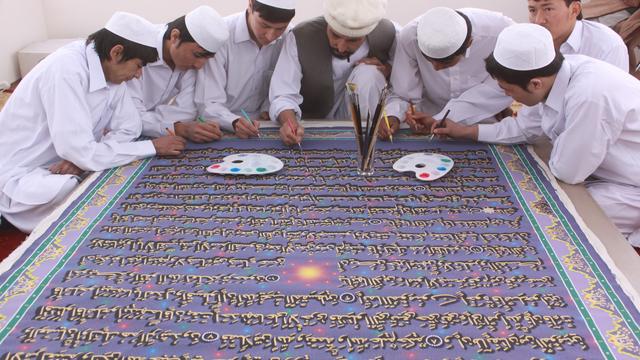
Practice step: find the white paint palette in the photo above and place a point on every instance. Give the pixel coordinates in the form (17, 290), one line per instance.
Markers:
(247, 164)
(427, 167)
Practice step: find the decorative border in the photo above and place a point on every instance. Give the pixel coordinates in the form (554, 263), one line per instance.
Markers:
(23, 275)
(564, 233)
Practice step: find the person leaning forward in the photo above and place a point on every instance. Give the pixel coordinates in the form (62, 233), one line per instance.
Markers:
(351, 43)
(439, 67)
(589, 111)
(72, 114)
(234, 86)
(164, 94)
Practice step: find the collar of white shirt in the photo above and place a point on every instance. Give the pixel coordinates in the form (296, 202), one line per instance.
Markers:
(559, 88)
(574, 41)
(241, 33)
(97, 80)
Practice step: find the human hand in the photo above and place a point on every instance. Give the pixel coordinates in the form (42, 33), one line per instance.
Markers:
(65, 167)
(419, 122)
(246, 129)
(291, 132)
(385, 69)
(170, 145)
(198, 131)
(452, 129)
(385, 132)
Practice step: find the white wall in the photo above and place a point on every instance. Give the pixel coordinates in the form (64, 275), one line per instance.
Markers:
(27, 21)
(22, 23)
(72, 18)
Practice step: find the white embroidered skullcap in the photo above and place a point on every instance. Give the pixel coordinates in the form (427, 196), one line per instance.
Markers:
(441, 32)
(207, 28)
(354, 18)
(524, 47)
(280, 4)
(133, 28)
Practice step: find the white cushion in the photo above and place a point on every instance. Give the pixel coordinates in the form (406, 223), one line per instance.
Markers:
(31, 55)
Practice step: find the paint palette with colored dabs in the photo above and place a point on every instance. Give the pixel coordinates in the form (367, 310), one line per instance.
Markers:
(247, 164)
(427, 167)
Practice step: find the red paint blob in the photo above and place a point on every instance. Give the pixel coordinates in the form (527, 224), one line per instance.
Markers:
(425, 175)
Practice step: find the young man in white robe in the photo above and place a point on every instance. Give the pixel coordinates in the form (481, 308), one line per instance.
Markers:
(72, 114)
(439, 67)
(350, 43)
(573, 35)
(590, 112)
(237, 79)
(164, 93)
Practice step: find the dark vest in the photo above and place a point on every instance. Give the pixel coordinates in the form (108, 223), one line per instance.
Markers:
(315, 58)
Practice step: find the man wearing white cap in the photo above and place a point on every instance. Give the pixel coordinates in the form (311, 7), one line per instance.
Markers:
(72, 114)
(439, 65)
(237, 80)
(351, 43)
(184, 46)
(590, 112)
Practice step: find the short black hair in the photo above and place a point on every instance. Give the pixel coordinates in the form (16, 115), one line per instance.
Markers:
(273, 14)
(463, 48)
(104, 40)
(180, 24)
(521, 78)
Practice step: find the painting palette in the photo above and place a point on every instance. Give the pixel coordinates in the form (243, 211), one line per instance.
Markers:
(427, 167)
(247, 164)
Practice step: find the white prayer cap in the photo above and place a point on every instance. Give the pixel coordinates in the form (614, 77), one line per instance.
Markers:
(280, 4)
(524, 47)
(133, 28)
(207, 28)
(441, 32)
(354, 18)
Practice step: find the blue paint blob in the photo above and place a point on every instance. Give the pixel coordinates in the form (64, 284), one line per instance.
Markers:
(235, 170)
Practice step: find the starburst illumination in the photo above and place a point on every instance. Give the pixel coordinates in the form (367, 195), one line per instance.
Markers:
(309, 272)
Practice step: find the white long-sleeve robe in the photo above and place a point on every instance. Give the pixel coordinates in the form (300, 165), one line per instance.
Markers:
(238, 77)
(162, 95)
(592, 117)
(64, 109)
(466, 88)
(597, 41)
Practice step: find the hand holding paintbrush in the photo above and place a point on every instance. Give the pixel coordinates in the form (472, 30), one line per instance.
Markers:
(389, 127)
(246, 128)
(415, 120)
(291, 132)
(439, 124)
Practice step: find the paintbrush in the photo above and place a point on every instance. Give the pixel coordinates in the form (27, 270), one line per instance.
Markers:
(440, 124)
(246, 116)
(386, 120)
(372, 135)
(294, 132)
(356, 116)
